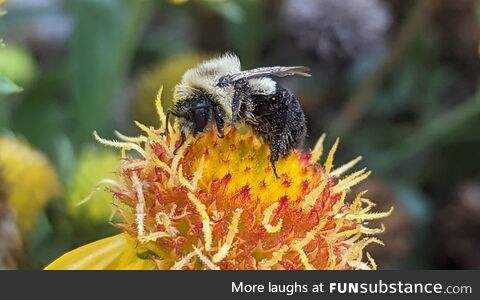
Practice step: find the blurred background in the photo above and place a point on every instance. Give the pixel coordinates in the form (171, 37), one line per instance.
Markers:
(396, 80)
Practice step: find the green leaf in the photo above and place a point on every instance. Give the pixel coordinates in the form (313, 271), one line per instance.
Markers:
(430, 133)
(7, 87)
(244, 20)
(102, 45)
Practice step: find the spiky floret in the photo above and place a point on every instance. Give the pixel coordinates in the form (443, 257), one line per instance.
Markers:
(216, 204)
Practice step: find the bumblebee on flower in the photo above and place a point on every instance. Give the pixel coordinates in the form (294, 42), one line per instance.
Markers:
(217, 90)
(207, 202)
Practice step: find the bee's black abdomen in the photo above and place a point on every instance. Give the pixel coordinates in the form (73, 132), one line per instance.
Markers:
(279, 120)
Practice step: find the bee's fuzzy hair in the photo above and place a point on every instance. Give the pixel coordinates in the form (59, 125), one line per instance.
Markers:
(208, 73)
(263, 85)
(205, 76)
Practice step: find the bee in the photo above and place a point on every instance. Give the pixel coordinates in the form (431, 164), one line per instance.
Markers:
(218, 91)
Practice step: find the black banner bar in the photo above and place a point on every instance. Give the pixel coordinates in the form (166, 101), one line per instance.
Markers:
(240, 284)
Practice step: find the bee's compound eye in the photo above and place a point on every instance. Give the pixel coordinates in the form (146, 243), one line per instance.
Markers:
(200, 118)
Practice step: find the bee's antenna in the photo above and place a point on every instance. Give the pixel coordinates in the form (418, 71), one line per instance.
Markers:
(169, 112)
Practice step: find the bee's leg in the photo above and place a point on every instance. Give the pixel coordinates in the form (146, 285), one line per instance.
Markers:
(219, 116)
(274, 155)
(169, 113)
(166, 122)
(182, 141)
(242, 91)
(235, 107)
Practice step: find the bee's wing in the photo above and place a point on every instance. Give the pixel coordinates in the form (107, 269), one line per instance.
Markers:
(277, 71)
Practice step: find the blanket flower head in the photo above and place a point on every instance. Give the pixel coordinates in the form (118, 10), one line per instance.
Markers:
(216, 204)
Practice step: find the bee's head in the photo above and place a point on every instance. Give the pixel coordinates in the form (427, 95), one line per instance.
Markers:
(194, 112)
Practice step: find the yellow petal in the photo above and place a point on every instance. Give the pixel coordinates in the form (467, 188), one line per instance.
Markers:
(130, 261)
(112, 253)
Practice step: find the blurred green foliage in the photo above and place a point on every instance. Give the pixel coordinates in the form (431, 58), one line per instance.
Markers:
(102, 44)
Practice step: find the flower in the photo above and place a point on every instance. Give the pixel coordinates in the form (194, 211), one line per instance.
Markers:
(216, 204)
(401, 225)
(30, 179)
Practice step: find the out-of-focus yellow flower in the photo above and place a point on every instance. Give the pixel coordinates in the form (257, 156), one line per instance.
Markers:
(29, 177)
(216, 204)
(169, 72)
(93, 166)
